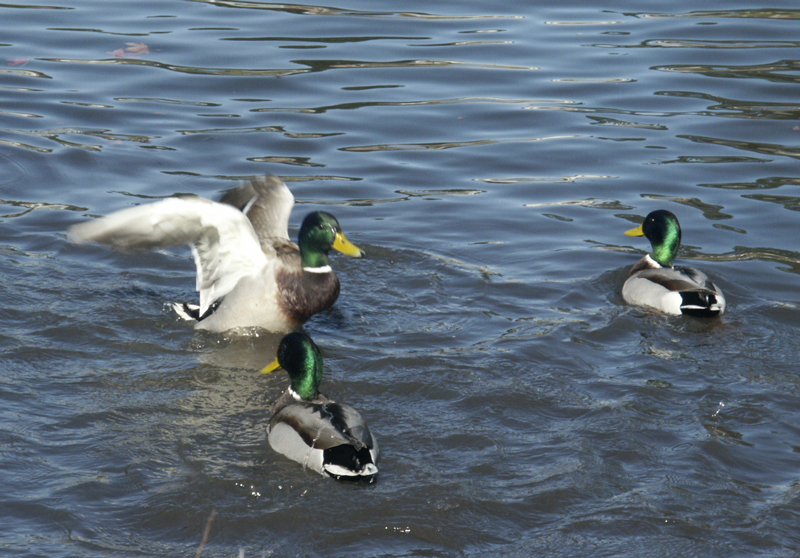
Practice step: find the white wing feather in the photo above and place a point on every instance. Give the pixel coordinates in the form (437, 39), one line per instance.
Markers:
(223, 241)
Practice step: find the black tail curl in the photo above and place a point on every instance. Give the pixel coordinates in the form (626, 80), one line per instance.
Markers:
(348, 457)
(699, 304)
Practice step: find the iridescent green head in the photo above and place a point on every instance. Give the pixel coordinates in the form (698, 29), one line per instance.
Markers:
(300, 357)
(664, 233)
(319, 233)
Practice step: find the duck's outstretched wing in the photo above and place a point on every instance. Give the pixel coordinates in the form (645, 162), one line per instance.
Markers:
(223, 241)
(267, 202)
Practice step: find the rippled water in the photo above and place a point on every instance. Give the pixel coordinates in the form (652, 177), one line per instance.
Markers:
(488, 158)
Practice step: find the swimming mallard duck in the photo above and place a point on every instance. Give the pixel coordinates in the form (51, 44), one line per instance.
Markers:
(249, 273)
(654, 282)
(329, 438)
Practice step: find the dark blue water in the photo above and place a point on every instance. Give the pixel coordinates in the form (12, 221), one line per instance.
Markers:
(489, 159)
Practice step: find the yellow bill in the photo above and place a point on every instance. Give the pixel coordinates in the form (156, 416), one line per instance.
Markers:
(635, 232)
(271, 367)
(346, 247)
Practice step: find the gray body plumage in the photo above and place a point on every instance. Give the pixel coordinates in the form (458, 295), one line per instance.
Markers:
(327, 437)
(673, 290)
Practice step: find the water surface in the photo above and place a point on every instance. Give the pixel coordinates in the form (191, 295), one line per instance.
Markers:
(489, 159)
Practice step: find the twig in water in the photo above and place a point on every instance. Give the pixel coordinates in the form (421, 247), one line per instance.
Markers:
(207, 531)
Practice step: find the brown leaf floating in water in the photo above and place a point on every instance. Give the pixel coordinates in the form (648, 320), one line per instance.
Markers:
(132, 50)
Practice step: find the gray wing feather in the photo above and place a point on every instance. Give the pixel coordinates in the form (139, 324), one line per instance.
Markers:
(327, 425)
(267, 202)
(678, 279)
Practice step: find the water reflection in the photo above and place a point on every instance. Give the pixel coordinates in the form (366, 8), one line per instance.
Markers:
(32, 206)
(757, 147)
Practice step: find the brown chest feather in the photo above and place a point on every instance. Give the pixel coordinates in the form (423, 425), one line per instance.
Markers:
(302, 296)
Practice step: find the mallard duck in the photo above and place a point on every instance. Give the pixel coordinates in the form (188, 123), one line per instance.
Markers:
(328, 437)
(654, 282)
(249, 274)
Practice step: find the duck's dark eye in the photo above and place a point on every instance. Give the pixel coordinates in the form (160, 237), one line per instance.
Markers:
(321, 226)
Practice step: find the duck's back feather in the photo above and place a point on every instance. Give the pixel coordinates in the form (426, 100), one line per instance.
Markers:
(328, 437)
(682, 290)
